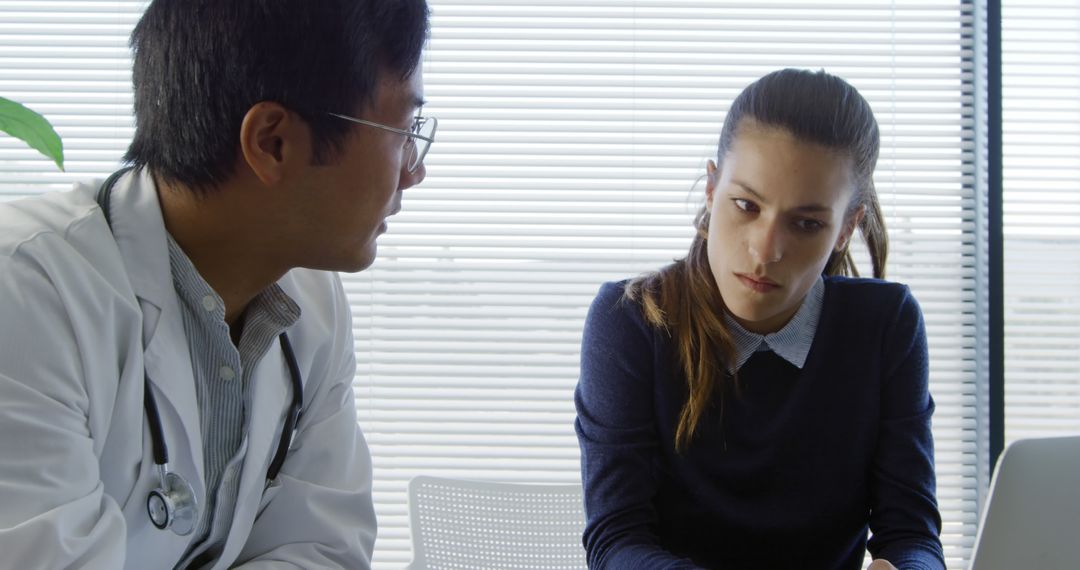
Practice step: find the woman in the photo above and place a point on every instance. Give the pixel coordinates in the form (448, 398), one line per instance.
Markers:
(748, 406)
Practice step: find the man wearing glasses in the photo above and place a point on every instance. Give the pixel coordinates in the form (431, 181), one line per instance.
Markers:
(176, 351)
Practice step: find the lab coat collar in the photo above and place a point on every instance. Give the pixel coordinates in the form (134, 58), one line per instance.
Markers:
(139, 230)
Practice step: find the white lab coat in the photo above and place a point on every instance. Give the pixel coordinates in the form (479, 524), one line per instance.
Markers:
(81, 316)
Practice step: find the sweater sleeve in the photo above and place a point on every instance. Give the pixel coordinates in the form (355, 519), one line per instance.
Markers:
(616, 430)
(904, 518)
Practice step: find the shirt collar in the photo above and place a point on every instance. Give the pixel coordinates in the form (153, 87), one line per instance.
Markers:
(792, 343)
(272, 304)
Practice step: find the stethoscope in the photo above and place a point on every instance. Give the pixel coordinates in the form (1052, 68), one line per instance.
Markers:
(172, 504)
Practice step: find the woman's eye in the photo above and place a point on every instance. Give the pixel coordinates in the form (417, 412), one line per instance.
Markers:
(745, 205)
(809, 225)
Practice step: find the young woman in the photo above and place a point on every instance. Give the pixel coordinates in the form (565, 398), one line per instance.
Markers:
(748, 406)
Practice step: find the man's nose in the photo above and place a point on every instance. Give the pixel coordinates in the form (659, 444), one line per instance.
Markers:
(410, 179)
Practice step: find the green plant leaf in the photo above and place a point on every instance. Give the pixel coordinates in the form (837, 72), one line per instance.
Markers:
(33, 129)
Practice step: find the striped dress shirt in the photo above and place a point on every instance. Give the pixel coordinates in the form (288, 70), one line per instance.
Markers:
(222, 387)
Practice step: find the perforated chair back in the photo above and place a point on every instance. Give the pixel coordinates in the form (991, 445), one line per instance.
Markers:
(476, 525)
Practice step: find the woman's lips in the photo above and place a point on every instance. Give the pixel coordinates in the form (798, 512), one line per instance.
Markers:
(757, 284)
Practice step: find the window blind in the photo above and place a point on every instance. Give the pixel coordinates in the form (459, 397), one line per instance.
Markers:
(69, 61)
(1041, 207)
(571, 137)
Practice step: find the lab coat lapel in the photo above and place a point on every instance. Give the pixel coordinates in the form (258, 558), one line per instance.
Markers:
(271, 394)
(168, 365)
(139, 230)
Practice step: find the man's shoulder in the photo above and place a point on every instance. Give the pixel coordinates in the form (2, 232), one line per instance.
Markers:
(314, 283)
(54, 216)
(61, 240)
(320, 296)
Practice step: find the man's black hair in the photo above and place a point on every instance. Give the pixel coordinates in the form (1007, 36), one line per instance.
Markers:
(200, 65)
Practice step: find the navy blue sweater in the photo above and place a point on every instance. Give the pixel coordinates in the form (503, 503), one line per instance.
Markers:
(794, 472)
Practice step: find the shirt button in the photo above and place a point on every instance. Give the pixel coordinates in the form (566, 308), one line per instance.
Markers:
(226, 373)
(209, 303)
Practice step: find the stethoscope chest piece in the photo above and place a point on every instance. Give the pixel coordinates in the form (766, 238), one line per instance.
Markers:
(173, 505)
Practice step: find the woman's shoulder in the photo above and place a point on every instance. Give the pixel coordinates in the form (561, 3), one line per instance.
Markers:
(887, 303)
(611, 291)
(614, 308)
(853, 291)
(612, 299)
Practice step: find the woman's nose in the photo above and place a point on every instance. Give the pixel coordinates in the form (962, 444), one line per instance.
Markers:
(765, 244)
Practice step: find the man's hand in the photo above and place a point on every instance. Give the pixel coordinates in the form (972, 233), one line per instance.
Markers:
(880, 564)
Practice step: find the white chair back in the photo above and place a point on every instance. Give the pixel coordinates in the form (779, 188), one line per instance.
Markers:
(477, 525)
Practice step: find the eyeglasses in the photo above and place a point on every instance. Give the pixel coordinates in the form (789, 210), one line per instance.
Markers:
(421, 135)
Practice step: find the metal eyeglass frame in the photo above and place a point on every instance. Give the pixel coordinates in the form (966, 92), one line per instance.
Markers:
(418, 123)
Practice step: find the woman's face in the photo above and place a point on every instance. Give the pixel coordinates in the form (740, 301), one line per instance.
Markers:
(777, 211)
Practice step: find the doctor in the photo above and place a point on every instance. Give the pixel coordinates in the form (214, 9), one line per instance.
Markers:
(176, 351)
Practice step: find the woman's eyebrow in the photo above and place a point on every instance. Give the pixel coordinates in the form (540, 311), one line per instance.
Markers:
(808, 208)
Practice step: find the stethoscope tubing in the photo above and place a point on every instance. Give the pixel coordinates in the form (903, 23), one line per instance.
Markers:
(172, 484)
(153, 418)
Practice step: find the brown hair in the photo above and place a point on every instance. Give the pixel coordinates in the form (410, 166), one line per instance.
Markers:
(682, 298)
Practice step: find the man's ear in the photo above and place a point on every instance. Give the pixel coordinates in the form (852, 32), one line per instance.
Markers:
(271, 140)
(850, 224)
(712, 176)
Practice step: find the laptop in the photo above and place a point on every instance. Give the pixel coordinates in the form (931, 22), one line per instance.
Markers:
(1032, 518)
